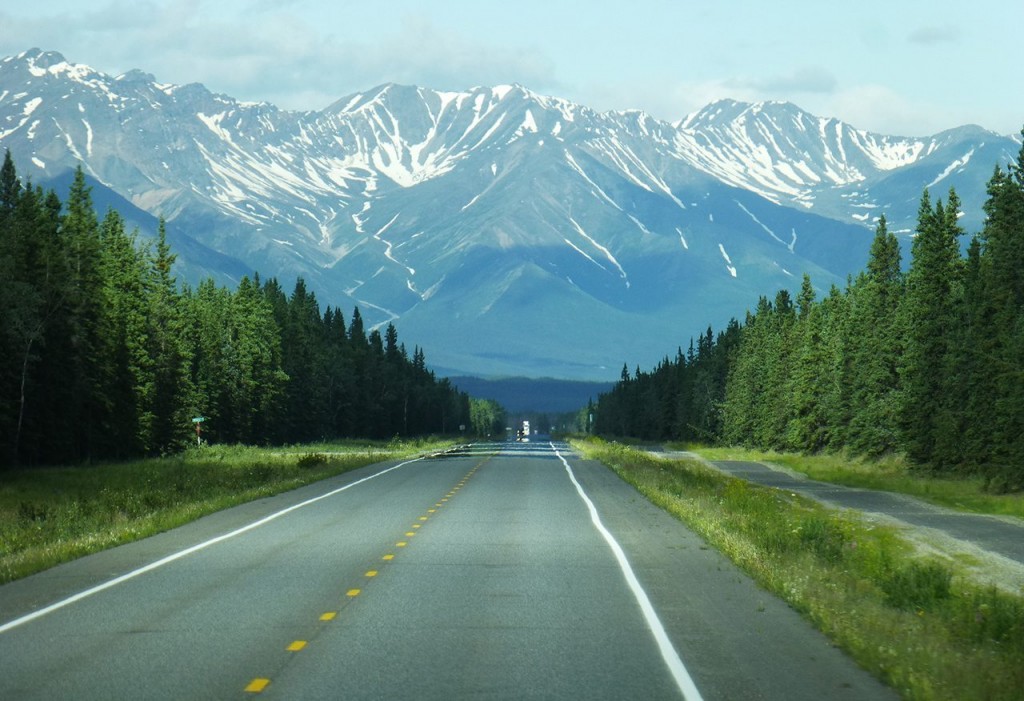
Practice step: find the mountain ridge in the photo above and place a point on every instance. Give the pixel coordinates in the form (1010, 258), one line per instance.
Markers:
(541, 223)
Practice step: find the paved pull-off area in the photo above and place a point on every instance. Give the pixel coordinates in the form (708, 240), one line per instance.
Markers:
(994, 544)
(498, 571)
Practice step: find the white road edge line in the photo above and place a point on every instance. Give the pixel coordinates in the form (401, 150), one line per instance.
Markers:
(668, 652)
(187, 551)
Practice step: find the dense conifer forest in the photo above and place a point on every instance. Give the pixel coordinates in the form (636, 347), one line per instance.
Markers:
(926, 361)
(104, 355)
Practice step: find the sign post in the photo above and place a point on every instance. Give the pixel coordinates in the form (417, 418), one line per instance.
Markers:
(198, 421)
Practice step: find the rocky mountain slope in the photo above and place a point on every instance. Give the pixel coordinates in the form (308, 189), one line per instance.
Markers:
(506, 232)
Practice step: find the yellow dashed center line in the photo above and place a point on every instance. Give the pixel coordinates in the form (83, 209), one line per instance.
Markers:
(258, 684)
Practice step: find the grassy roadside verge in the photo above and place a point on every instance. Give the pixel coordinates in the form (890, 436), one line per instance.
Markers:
(889, 474)
(52, 515)
(913, 622)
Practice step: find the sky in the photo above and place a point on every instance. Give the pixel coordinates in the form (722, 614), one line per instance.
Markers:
(897, 67)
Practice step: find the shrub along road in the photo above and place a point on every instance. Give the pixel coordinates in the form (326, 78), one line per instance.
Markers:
(501, 571)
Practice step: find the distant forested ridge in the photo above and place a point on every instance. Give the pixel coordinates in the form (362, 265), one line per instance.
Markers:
(927, 362)
(103, 354)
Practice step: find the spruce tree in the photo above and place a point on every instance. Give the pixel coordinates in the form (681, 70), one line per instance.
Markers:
(928, 417)
(998, 430)
(173, 395)
(10, 187)
(303, 348)
(876, 348)
(340, 383)
(21, 309)
(214, 365)
(773, 408)
(88, 408)
(260, 396)
(807, 428)
(747, 378)
(127, 383)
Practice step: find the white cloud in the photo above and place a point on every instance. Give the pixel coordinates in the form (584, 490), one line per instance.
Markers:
(275, 54)
(301, 54)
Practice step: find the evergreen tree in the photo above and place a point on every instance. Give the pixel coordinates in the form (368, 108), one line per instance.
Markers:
(747, 378)
(126, 388)
(261, 402)
(976, 350)
(934, 287)
(214, 367)
(838, 336)
(340, 381)
(807, 428)
(173, 394)
(396, 383)
(80, 371)
(997, 306)
(303, 347)
(876, 349)
(375, 394)
(10, 187)
(22, 307)
(773, 410)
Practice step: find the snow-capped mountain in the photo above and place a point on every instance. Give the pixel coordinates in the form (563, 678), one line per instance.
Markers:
(506, 232)
(829, 167)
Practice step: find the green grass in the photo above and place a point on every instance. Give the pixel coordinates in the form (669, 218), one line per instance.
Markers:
(891, 474)
(52, 515)
(912, 621)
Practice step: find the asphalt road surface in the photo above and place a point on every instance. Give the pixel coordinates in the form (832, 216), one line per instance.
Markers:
(499, 571)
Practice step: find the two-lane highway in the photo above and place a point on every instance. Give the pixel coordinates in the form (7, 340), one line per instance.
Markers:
(497, 571)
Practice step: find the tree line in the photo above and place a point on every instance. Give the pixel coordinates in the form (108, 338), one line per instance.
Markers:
(103, 354)
(926, 361)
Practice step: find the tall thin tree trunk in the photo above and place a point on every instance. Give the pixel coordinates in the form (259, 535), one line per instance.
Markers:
(21, 401)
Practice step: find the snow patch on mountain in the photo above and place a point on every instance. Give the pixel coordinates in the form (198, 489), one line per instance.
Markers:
(598, 192)
(584, 254)
(529, 125)
(958, 163)
(31, 105)
(728, 261)
(604, 250)
(771, 233)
